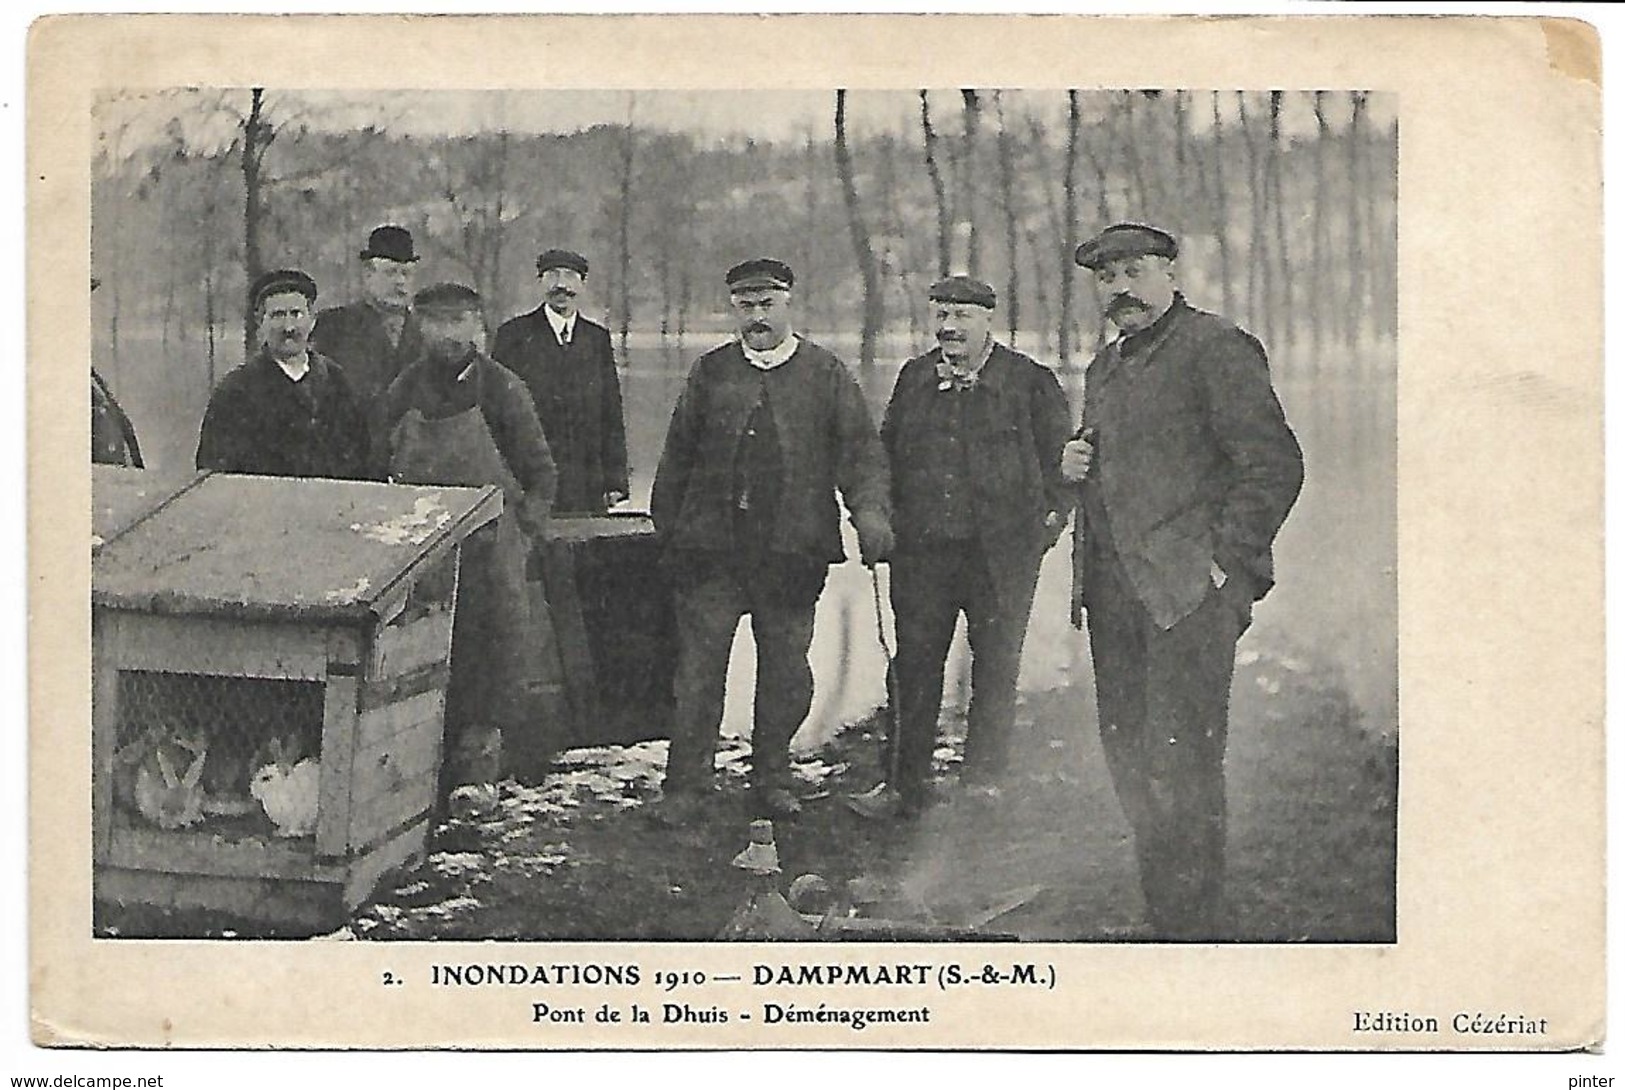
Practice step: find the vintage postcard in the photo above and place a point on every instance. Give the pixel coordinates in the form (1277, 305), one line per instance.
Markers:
(816, 532)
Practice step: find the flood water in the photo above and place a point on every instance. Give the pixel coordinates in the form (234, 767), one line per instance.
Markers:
(1335, 604)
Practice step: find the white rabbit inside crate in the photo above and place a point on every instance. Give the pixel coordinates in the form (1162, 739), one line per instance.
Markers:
(234, 754)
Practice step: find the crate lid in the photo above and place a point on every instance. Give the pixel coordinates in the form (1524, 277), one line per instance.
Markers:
(268, 547)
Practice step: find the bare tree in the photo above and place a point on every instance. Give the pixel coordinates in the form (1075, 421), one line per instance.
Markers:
(968, 174)
(1277, 195)
(1356, 191)
(1221, 226)
(862, 248)
(1318, 281)
(934, 170)
(623, 233)
(1069, 219)
(257, 137)
(1007, 191)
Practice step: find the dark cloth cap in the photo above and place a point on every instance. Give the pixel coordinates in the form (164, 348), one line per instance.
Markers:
(561, 259)
(761, 272)
(390, 243)
(964, 289)
(278, 283)
(446, 299)
(1127, 240)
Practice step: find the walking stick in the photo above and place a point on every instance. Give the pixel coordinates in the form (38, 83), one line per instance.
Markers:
(895, 726)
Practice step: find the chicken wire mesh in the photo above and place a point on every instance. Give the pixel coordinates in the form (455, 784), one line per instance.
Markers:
(189, 745)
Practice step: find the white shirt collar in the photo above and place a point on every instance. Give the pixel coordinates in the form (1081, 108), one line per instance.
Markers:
(295, 371)
(563, 328)
(776, 356)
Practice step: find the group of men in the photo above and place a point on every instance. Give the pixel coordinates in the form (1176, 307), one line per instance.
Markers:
(1179, 477)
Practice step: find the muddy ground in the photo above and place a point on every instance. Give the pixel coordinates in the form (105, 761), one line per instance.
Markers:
(1311, 854)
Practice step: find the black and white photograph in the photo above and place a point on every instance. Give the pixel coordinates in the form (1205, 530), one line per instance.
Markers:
(869, 550)
(919, 382)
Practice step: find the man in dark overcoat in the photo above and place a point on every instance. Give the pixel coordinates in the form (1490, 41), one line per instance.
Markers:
(289, 411)
(973, 435)
(375, 338)
(770, 432)
(568, 364)
(1187, 468)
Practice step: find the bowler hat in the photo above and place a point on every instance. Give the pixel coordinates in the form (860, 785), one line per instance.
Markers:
(280, 282)
(964, 289)
(390, 243)
(761, 272)
(446, 299)
(561, 259)
(1127, 240)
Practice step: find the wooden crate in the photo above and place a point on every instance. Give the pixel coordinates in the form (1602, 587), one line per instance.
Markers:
(228, 610)
(613, 625)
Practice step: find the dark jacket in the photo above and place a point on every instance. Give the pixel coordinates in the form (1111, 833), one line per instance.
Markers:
(505, 404)
(578, 399)
(112, 436)
(1007, 432)
(260, 421)
(355, 338)
(1194, 463)
(826, 436)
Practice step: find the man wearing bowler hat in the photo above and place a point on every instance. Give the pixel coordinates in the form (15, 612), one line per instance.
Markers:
(973, 435)
(1186, 469)
(769, 430)
(289, 411)
(568, 365)
(457, 417)
(375, 338)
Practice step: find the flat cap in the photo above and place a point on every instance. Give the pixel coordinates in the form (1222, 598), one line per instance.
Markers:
(964, 289)
(761, 272)
(561, 259)
(280, 282)
(446, 299)
(1127, 240)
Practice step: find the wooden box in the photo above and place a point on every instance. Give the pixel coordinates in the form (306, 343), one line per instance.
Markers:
(240, 623)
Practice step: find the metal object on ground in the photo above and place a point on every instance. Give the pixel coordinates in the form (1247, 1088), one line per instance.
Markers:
(761, 855)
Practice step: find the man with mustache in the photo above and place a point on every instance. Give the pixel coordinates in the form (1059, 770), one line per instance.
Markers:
(457, 417)
(289, 411)
(768, 430)
(568, 365)
(375, 338)
(1186, 469)
(973, 435)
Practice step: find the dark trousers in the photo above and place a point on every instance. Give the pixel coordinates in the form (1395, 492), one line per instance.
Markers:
(930, 587)
(781, 594)
(1164, 702)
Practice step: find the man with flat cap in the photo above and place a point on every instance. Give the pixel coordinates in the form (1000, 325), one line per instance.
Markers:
(568, 365)
(1187, 468)
(373, 339)
(973, 435)
(457, 417)
(769, 433)
(289, 411)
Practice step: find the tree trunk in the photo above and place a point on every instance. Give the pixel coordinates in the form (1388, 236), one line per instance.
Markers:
(1222, 211)
(934, 170)
(1357, 194)
(1140, 207)
(1007, 190)
(1069, 215)
(1258, 268)
(256, 137)
(1040, 296)
(1283, 256)
(1318, 281)
(623, 234)
(862, 247)
(969, 178)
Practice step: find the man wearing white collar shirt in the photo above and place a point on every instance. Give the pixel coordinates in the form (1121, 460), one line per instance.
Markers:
(288, 411)
(768, 429)
(568, 364)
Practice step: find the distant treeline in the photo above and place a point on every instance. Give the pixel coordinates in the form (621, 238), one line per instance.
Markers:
(1288, 228)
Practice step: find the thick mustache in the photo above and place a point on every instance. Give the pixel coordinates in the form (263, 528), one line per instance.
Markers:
(1124, 302)
(562, 291)
(758, 327)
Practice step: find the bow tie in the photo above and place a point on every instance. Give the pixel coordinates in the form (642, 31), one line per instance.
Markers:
(953, 377)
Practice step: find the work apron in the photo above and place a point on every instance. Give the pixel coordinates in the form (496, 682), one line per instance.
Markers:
(495, 649)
